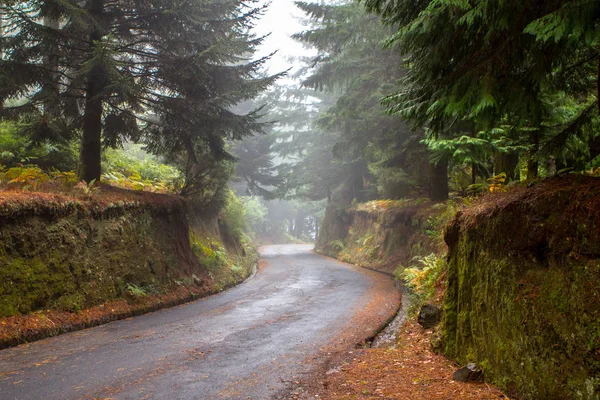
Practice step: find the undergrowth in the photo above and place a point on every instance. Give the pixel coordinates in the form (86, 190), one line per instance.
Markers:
(425, 277)
(132, 169)
(225, 268)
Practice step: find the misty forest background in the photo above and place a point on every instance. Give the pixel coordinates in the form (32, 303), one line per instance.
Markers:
(403, 99)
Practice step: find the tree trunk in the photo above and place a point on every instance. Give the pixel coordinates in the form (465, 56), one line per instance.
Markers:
(91, 142)
(1, 32)
(51, 89)
(506, 163)
(438, 190)
(299, 225)
(532, 164)
(594, 148)
(473, 166)
(357, 170)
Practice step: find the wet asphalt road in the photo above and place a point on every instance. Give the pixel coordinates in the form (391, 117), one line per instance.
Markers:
(245, 343)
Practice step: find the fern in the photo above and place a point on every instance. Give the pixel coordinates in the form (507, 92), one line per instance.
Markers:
(135, 290)
(88, 190)
(422, 278)
(24, 177)
(337, 245)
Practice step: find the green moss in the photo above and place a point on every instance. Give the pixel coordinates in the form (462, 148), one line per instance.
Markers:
(74, 262)
(71, 302)
(531, 320)
(226, 268)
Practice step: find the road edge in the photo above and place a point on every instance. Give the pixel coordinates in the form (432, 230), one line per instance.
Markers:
(335, 354)
(64, 322)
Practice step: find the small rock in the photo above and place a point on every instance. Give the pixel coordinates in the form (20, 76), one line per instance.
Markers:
(429, 316)
(471, 373)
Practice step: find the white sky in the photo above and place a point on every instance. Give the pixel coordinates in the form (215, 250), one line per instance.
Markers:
(282, 21)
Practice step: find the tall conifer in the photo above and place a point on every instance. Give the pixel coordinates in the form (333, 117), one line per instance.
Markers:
(160, 71)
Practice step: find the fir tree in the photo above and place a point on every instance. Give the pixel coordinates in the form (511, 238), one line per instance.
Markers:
(490, 64)
(353, 65)
(160, 71)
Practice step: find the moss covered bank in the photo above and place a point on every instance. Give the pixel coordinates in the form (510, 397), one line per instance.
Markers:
(70, 255)
(523, 296)
(382, 234)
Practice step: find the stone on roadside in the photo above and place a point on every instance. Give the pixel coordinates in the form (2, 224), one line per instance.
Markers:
(470, 373)
(429, 316)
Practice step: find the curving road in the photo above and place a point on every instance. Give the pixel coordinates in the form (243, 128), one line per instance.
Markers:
(249, 342)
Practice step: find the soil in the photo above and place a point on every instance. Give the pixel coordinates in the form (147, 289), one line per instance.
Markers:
(408, 372)
(46, 323)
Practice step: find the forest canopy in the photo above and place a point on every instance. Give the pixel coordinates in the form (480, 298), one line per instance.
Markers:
(398, 99)
(161, 73)
(440, 96)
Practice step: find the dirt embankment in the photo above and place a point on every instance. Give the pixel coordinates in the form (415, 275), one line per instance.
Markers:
(522, 297)
(384, 234)
(519, 291)
(67, 263)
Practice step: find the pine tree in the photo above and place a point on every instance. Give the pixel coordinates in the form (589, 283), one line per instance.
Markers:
(160, 71)
(353, 65)
(496, 64)
(255, 166)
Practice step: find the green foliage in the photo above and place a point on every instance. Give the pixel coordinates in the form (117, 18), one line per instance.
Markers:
(135, 290)
(423, 278)
(67, 179)
(336, 245)
(27, 177)
(68, 75)
(255, 212)
(438, 221)
(133, 168)
(233, 216)
(359, 139)
(394, 182)
(305, 159)
(133, 160)
(88, 190)
(489, 78)
(207, 253)
(226, 268)
(256, 166)
(18, 147)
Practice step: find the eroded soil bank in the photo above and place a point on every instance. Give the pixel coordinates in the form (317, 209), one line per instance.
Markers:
(384, 234)
(519, 289)
(68, 263)
(523, 298)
